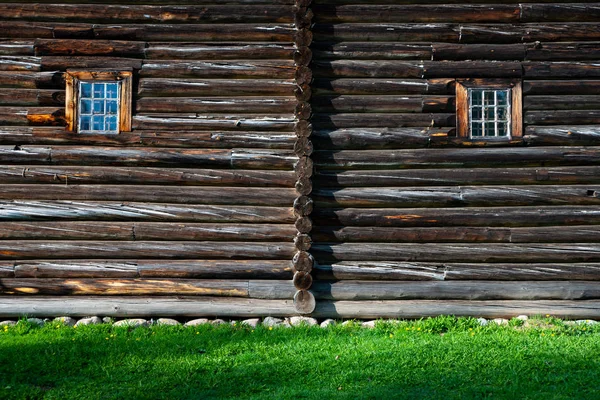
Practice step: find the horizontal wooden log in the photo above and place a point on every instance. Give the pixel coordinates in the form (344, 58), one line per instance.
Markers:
(26, 115)
(163, 306)
(559, 135)
(255, 104)
(560, 70)
(492, 52)
(382, 104)
(120, 287)
(59, 230)
(218, 51)
(349, 86)
(375, 120)
(456, 158)
(463, 176)
(31, 97)
(470, 216)
(561, 87)
(457, 252)
(7, 270)
(563, 51)
(556, 234)
(444, 196)
(562, 117)
(106, 48)
(16, 63)
(453, 290)
(423, 13)
(369, 309)
(16, 48)
(367, 69)
(35, 30)
(153, 269)
(557, 102)
(373, 138)
(472, 69)
(153, 194)
(268, 69)
(215, 87)
(89, 155)
(86, 211)
(20, 250)
(66, 175)
(113, 13)
(32, 80)
(382, 32)
(531, 32)
(578, 12)
(371, 51)
(62, 63)
(192, 121)
(419, 271)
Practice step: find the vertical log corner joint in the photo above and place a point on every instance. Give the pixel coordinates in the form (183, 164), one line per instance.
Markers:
(303, 261)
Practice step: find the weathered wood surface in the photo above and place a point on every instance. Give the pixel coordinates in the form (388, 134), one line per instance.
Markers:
(577, 12)
(29, 210)
(57, 230)
(563, 69)
(72, 47)
(149, 87)
(164, 306)
(112, 13)
(527, 33)
(10, 250)
(207, 105)
(562, 117)
(493, 52)
(382, 104)
(144, 268)
(443, 271)
(557, 102)
(32, 80)
(275, 197)
(458, 252)
(16, 48)
(31, 97)
(452, 196)
(66, 175)
(470, 216)
(569, 51)
(575, 309)
(422, 13)
(217, 51)
(193, 121)
(561, 87)
(456, 158)
(16, 63)
(367, 69)
(140, 156)
(381, 120)
(561, 134)
(385, 32)
(62, 63)
(376, 86)
(371, 51)
(551, 234)
(268, 69)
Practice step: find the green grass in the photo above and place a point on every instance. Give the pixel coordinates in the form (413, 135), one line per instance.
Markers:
(439, 358)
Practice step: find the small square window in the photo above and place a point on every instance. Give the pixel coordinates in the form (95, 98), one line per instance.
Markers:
(488, 109)
(98, 101)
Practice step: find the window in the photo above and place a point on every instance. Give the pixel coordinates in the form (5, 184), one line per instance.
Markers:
(98, 101)
(488, 109)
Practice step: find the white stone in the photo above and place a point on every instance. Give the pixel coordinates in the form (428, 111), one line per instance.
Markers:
(328, 322)
(134, 322)
(252, 322)
(369, 324)
(196, 322)
(349, 322)
(500, 321)
(89, 321)
(68, 321)
(482, 321)
(218, 322)
(8, 323)
(107, 320)
(167, 321)
(36, 321)
(586, 322)
(272, 321)
(522, 317)
(298, 321)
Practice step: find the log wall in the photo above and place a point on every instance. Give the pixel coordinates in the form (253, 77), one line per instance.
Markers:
(197, 200)
(410, 219)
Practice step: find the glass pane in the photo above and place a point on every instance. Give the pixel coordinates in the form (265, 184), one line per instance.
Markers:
(476, 113)
(476, 98)
(502, 97)
(111, 90)
(85, 123)
(489, 97)
(502, 129)
(98, 106)
(99, 90)
(86, 89)
(489, 113)
(98, 123)
(476, 129)
(490, 129)
(86, 106)
(111, 123)
(111, 107)
(502, 114)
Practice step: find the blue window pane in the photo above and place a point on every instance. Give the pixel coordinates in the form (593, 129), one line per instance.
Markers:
(98, 106)
(488, 98)
(111, 107)
(476, 97)
(489, 113)
(112, 90)
(85, 123)
(502, 97)
(476, 113)
(502, 129)
(86, 90)
(475, 129)
(502, 113)
(98, 123)
(490, 129)
(99, 90)
(111, 123)
(86, 106)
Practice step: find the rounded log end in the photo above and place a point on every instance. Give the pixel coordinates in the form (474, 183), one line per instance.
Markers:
(303, 262)
(303, 225)
(302, 280)
(303, 242)
(304, 302)
(304, 186)
(303, 206)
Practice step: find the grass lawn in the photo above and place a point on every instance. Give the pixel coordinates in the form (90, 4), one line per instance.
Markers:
(439, 358)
